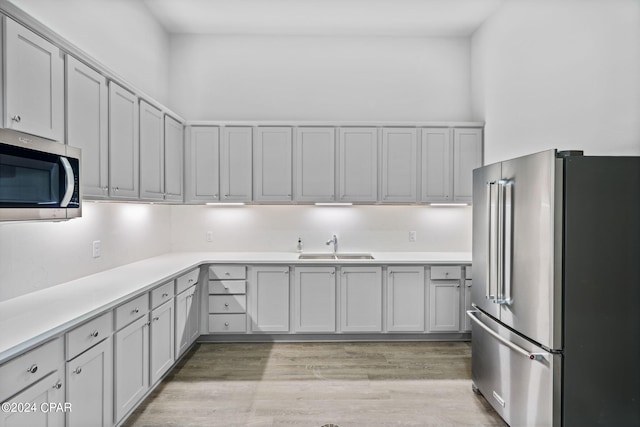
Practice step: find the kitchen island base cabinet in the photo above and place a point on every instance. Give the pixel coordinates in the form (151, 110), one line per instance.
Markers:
(131, 366)
(361, 299)
(48, 391)
(315, 299)
(405, 299)
(270, 293)
(90, 387)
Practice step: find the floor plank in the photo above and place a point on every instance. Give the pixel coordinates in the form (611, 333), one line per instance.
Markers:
(315, 384)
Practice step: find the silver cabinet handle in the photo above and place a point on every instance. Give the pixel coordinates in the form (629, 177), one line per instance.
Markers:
(57, 385)
(78, 370)
(226, 323)
(135, 310)
(164, 295)
(33, 369)
(512, 346)
(16, 118)
(156, 319)
(226, 304)
(94, 334)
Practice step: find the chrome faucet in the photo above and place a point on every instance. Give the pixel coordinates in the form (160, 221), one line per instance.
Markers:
(333, 240)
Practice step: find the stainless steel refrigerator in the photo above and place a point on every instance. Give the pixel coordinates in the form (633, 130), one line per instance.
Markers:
(556, 289)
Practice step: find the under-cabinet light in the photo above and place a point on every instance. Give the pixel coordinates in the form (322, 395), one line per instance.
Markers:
(449, 204)
(334, 204)
(226, 204)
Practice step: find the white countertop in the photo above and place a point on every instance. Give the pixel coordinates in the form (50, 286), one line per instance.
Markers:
(31, 319)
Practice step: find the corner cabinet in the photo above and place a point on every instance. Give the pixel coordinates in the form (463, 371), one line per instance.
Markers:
(87, 125)
(33, 83)
(202, 165)
(123, 144)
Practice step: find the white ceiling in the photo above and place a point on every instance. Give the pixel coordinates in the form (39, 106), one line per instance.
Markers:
(402, 18)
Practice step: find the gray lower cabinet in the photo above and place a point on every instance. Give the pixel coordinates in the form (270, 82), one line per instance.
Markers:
(405, 299)
(131, 366)
(187, 319)
(227, 299)
(269, 292)
(361, 299)
(162, 333)
(315, 299)
(49, 390)
(90, 386)
(444, 299)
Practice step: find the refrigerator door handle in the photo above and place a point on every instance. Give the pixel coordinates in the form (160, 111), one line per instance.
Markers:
(512, 346)
(492, 241)
(506, 235)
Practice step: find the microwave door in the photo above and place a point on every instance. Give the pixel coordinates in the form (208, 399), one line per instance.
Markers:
(29, 182)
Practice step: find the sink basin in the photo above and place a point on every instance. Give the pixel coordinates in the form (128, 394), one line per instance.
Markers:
(335, 256)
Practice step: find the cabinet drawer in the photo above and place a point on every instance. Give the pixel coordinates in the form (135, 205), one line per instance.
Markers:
(227, 286)
(30, 367)
(88, 334)
(224, 272)
(162, 294)
(467, 272)
(187, 280)
(132, 310)
(227, 303)
(441, 272)
(227, 323)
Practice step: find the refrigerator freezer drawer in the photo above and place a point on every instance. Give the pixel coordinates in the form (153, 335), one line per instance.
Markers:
(520, 380)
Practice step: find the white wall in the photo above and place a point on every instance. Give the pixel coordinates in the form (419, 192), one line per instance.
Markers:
(121, 34)
(37, 255)
(320, 78)
(559, 74)
(359, 228)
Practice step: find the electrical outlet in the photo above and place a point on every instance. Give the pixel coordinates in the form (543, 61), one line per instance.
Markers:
(97, 248)
(413, 236)
(209, 236)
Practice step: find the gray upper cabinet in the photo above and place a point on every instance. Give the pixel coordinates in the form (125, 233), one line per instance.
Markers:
(315, 164)
(173, 160)
(467, 155)
(399, 165)
(151, 153)
(123, 143)
(33, 83)
(437, 155)
(202, 163)
(358, 165)
(236, 164)
(448, 159)
(87, 125)
(273, 164)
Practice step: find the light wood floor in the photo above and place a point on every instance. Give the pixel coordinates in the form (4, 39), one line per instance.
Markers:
(315, 384)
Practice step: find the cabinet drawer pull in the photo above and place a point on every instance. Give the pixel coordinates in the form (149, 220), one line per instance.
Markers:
(226, 323)
(94, 334)
(16, 118)
(135, 310)
(165, 295)
(226, 304)
(78, 370)
(33, 369)
(156, 319)
(57, 385)
(190, 280)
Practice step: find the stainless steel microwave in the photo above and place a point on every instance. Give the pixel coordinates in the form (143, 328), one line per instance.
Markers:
(39, 178)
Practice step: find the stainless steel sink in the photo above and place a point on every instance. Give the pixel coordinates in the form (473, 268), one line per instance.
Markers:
(335, 256)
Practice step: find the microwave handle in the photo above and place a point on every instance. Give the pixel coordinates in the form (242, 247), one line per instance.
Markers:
(70, 181)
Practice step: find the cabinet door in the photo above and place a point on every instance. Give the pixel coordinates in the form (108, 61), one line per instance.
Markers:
(236, 164)
(131, 366)
(151, 153)
(49, 391)
(123, 143)
(444, 306)
(34, 83)
(315, 164)
(315, 299)
(90, 387)
(399, 165)
(467, 305)
(405, 299)
(437, 155)
(162, 344)
(269, 296)
(361, 299)
(203, 159)
(87, 125)
(187, 320)
(358, 165)
(467, 155)
(173, 160)
(272, 159)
